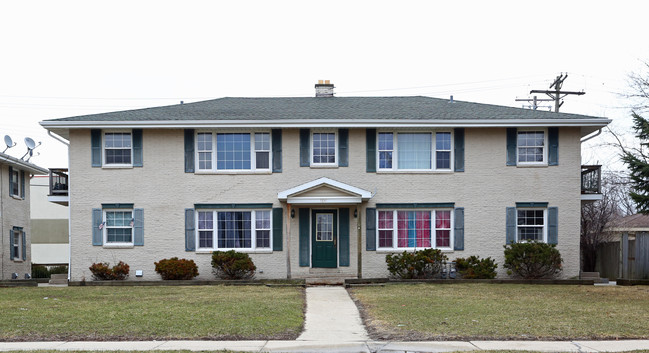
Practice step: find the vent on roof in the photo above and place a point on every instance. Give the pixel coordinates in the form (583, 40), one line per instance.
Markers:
(324, 89)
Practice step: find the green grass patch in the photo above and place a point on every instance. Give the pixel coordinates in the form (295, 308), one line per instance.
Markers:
(504, 311)
(146, 313)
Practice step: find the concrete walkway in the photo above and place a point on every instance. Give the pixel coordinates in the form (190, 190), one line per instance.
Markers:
(333, 324)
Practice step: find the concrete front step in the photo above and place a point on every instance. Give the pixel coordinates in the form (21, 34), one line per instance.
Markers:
(60, 278)
(330, 280)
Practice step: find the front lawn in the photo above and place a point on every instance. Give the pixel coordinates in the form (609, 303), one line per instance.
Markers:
(504, 311)
(148, 313)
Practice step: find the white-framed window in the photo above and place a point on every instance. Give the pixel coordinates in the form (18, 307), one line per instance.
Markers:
(410, 229)
(530, 224)
(118, 226)
(324, 147)
(531, 147)
(17, 243)
(415, 151)
(233, 151)
(233, 229)
(14, 183)
(118, 148)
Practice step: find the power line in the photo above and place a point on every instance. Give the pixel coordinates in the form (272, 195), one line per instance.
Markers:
(557, 95)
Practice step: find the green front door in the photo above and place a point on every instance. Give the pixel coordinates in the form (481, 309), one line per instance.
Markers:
(324, 238)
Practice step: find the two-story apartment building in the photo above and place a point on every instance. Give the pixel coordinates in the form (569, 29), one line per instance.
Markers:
(319, 186)
(15, 234)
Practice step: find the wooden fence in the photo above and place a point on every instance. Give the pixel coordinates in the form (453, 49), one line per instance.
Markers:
(628, 258)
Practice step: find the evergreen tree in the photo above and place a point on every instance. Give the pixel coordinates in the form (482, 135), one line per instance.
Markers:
(638, 162)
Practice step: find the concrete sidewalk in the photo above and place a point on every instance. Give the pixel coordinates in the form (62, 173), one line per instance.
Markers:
(335, 346)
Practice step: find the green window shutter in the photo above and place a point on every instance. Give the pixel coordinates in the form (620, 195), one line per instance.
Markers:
(189, 150)
(278, 223)
(97, 234)
(553, 225)
(95, 142)
(511, 146)
(22, 184)
(305, 147)
(370, 234)
(370, 150)
(138, 227)
(11, 244)
(24, 245)
(459, 149)
(11, 183)
(190, 236)
(553, 148)
(343, 151)
(459, 229)
(510, 221)
(277, 150)
(343, 236)
(137, 147)
(304, 237)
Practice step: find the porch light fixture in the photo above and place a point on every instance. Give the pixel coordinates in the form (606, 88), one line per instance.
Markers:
(293, 213)
(356, 213)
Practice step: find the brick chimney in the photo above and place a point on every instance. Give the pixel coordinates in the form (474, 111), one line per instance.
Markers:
(324, 89)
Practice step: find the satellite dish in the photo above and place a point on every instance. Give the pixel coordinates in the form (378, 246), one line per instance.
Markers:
(30, 143)
(9, 142)
(30, 147)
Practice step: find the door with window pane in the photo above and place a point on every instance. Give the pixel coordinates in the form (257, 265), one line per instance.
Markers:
(324, 238)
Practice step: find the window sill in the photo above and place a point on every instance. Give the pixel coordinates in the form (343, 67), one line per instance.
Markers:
(118, 246)
(392, 251)
(16, 197)
(117, 166)
(21, 261)
(532, 165)
(324, 166)
(230, 172)
(246, 251)
(414, 171)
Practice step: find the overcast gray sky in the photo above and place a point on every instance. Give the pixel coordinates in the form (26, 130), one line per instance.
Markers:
(68, 58)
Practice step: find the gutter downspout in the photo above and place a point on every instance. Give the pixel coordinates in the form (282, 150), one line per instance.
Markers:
(2, 225)
(61, 140)
(599, 132)
(359, 222)
(288, 241)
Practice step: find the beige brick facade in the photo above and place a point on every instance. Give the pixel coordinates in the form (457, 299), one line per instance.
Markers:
(14, 212)
(163, 190)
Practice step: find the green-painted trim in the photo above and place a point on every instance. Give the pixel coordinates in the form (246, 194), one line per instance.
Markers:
(232, 205)
(531, 204)
(416, 205)
(116, 205)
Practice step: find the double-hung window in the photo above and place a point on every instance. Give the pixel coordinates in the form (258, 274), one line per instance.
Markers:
(118, 148)
(414, 151)
(531, 147)
(14, 182)
(234, 229)
(16, 234)
(530, 225)
(324, 148)
(233, 151)
(118, 227)
(405, 229)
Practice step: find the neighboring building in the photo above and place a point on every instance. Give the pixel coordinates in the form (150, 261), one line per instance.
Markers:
(323, 186)
(15, 257)
(626, 253)
(49, 225)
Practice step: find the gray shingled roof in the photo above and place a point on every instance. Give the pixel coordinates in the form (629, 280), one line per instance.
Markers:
(363, 108)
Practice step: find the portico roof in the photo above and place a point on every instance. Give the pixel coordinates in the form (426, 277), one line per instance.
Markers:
(324, 191)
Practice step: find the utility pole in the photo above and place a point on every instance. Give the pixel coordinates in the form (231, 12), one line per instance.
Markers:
(535, 101)
(557, 94)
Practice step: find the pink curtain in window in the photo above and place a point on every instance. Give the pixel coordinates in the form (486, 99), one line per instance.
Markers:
(423, 229)
(443, 221)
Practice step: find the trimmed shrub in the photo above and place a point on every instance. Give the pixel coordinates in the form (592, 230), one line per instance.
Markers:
(532, 260)
(102, 271)
(40, 271)
(232, 265)
(419, 264)
(56, 270)
(474, 267)
(176, 269)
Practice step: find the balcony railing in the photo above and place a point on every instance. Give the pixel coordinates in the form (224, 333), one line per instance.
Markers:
(591, 179)
(59, 182)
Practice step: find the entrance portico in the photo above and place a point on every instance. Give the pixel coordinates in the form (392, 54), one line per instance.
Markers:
(324, 210)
